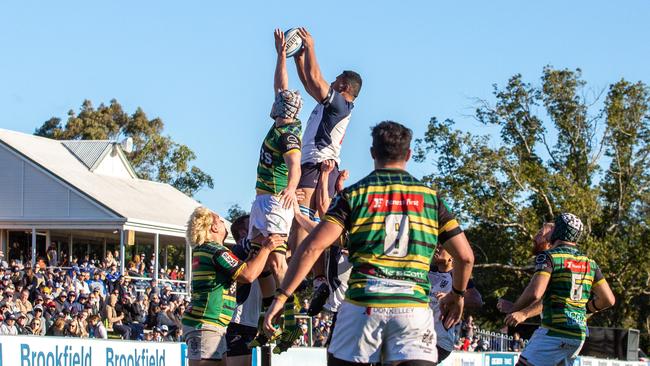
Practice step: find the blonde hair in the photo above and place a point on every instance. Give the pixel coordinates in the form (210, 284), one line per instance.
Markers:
(198, 226)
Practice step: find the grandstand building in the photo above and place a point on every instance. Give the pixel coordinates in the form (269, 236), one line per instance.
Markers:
(84, 198)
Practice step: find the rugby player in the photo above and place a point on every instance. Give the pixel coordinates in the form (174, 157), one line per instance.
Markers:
(215, 273)
(278, 174)
(441, 278)
(326, 125)
(541, 242)
(243, 325)
(394, 223)
(564, 278)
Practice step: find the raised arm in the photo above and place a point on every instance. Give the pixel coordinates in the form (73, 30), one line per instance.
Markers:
(305, 256)
(253, 267)
(299, 59)
(322, 189)
(314, 82)
(281, 79)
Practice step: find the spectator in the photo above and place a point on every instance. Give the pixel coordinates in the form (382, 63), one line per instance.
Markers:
(8, 327)
(58, 328)
(165, 316)
(305, 306)
(23, 304)
(95, 328)
(115, 320)
(517, 344)
(36, 327)
(21, 324)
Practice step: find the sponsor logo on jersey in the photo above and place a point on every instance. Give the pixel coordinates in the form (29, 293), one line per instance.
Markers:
(229, 258)
(395, 202)
(576, 266)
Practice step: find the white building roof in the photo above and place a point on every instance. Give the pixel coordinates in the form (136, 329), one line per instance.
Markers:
(143, 205)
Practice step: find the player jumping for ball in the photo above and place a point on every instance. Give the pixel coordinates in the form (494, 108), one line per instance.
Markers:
(324, 131)
(394, 223)
(278, 174)
(564, 279)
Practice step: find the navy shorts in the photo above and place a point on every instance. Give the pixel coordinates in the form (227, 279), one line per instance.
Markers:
(310, 174)
(238, 336)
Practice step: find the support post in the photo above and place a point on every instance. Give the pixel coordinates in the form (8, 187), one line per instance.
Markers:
(33, 247)
(156, 264)
(70, 250)
(122, 250)
(104, 249)
(188, 267)
(3, 242)
(165, 257)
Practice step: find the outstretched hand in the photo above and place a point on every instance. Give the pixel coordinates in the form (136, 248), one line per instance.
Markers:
(307, 39)
(280, 43)
(505, 306)
(272, 315)
(327, 166)
(287, 197)
(514, 319)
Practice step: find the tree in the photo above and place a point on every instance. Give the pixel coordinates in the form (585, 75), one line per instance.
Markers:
(504, 190)
(234, 212)
(154, 157)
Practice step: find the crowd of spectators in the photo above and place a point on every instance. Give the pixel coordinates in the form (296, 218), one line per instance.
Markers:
(472, 339)
(90, 298)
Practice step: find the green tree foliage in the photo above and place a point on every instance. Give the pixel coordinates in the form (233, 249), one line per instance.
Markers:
(155, 156)
(234, 212)
(556, 151)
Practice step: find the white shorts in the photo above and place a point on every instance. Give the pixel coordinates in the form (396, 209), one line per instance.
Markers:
(543, 350)
(269, 217)
(370, 335)
(207, 343)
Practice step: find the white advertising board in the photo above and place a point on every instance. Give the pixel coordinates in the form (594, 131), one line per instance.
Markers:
(55, 351)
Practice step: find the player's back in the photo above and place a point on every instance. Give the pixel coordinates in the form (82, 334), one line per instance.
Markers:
(272, 171)
(572, 276)
(394, 222)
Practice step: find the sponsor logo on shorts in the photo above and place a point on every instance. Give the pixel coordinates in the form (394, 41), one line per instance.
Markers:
(427, 338)
(390, 311)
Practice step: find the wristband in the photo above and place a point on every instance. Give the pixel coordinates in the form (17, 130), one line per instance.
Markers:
(593, 306)
(282, 292)
(458, 292)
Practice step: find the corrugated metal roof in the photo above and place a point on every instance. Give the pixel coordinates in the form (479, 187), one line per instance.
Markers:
(137, 200)
(89, 152)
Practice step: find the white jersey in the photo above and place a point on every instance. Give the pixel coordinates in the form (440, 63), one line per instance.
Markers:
(338, 273)
(326, 128)
(248, 313)
(441, 282)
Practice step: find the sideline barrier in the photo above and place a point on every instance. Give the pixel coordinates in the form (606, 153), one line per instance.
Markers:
(58, 351)
(306, 356)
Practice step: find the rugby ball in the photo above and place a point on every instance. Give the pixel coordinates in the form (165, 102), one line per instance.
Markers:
(293, 42)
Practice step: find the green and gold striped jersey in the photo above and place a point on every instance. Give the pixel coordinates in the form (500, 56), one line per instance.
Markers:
(214, 270)
(272, 171)
(394, 224)
(573, 275)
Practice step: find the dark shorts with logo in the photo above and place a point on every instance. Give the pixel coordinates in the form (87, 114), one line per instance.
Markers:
(310, 174)
(237, 337)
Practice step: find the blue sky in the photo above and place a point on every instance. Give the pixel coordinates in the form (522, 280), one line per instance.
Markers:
(206, 68)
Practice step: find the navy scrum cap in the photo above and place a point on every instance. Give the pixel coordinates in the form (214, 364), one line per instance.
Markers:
(568, 227)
